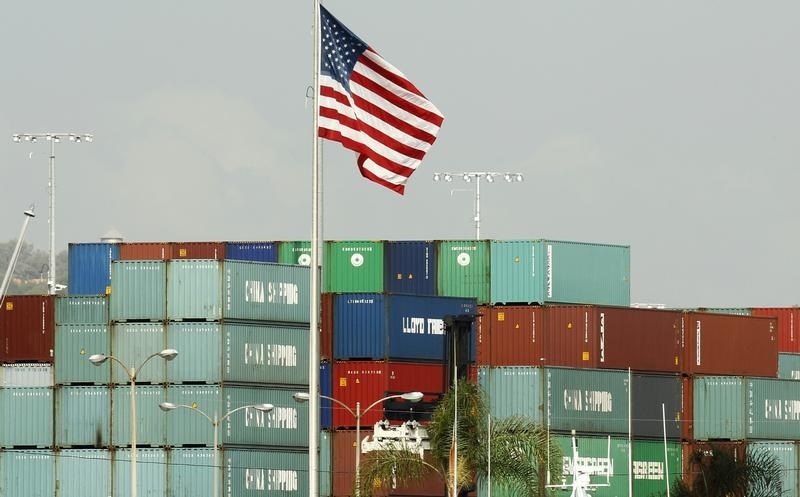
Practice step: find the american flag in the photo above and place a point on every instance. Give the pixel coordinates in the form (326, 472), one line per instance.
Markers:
(370, 107)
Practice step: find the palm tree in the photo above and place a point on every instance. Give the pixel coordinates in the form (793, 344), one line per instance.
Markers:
(519, 451)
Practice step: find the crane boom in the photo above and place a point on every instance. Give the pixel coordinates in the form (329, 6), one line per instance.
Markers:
(15, 254)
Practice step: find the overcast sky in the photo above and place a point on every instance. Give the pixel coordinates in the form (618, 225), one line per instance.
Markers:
(671, 127)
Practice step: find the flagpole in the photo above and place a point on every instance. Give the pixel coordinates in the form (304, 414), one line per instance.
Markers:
(313, 340)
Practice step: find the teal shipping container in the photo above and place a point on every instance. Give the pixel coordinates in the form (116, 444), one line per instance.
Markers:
(194, 290)
(190, 472)
(789, 366)
(787, 455)
(463, 269)
(151, 473)
(294, 252)
(773, 409)
(92, 309)
(228, 352)
(719, 407)
(266, 473)
(547, 271)
(325, 464)
(585, 400)
(261, 291)
(26, 417)
(151, 423)
(83, 472)
(651, 473)
(74, 344)
(132, 344)
(138, 291)
(27, 473)
(353, 266)
(285, 426)
(82, 416)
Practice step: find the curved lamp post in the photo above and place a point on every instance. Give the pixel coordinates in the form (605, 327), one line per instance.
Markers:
(357, 413)
(215, 421)
(132, 371)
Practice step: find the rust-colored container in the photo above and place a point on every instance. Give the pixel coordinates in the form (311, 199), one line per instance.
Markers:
(197, 250)
(788, 326)
(145, 251)
(707, 450)
(369, 381)
(326, 327)
(640, 339)
(509, 336)
(27, 328)
(343, 467)
(725, 344)
(569, 337)
(687, 423)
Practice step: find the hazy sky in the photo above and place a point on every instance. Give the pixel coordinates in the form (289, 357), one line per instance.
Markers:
(671, 127)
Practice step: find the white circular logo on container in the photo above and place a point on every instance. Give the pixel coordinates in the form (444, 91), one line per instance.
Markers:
(463, 259)
(304, 260)
(356, 260)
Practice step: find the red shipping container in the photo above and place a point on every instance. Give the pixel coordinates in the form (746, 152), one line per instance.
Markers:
(726, 344)
(788, 323)
(640, 339)
(343, 467)
(569, 337)
(145, 251)
(27, 328)
(508, 336)
(197, 250)
(369, 381)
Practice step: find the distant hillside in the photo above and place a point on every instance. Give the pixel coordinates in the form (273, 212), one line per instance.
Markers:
(30, 274)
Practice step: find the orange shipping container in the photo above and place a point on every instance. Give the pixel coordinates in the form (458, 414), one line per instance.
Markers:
(145, 251)
(197, 250)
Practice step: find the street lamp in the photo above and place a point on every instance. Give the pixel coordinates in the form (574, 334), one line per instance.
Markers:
(357, 413)
(97, 360)
(53, 138)
(468, 176)
(215, 421)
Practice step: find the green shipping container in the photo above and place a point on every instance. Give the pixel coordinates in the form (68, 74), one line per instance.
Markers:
(190, 472)
(151, 473)
(773, 409)
(74, 344)
(298, 253)
(82, 416)
(83, 472)
(194, 289)
(651, 474)
(789, 366)
(285, 426)
(787, 455)
(27, 473)
(513, 390)
(132, 344)
(266, 473)
(138, 290)
(719, 407)
(227, 352)
(353, 266)
(463, 269)
(261, 291)
(26, 417)
(547, 271)
(82, 310)
(151, 423)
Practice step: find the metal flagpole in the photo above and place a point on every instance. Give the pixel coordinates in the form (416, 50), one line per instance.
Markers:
(313, 340)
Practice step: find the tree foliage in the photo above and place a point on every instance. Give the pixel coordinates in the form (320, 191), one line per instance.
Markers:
(30, 274)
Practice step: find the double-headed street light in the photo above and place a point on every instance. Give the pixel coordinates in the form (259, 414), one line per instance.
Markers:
(53, 138)
(468, 176)
(132, 371)
(215, 421)
(357, 413)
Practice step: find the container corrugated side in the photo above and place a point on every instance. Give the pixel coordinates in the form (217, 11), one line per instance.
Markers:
(151, 474)
(410, 267)
(150, 420)
(325, 447)
(260, 291)
(132, 344)
(253, 251)
(326, 389)
(788, 325)
(651, 392)
(585, 400)
(203, 343)
(789, 366)
(194, 290)
(138, 291)
(27, 328)
(569, 338)
(87, 309)
(463, 269)
(190, 471)
(28, 473)
(90, 267)
(26, 417)
(513, 390)
(145, 251)
(719, 408)
(650, 472)
(75, 343)
(510, 335)
(26, 375)
(787, 455)
(598, 448)
(773, 409)
(267, 473)
(294, 252)
(82, 416)
(198, 250)
(83, 472)
(353, 266)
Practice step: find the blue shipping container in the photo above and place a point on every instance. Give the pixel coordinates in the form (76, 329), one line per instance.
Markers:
(326, 388)
(391, 326)
(89, 266)
(410, 267)
(252, 251)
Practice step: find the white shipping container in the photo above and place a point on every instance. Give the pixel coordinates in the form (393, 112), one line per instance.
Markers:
(26, 375)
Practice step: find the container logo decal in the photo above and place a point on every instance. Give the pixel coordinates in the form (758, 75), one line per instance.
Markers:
(648, 470)
(270, 479)
(463, 259)
(602, 337)
(270, 354)
(782, 409)
(423, 326)
(304, 260)
(284, 418)
(588, 400)
(273, 292)
(357, 260)
(697, 345)
(549, 271)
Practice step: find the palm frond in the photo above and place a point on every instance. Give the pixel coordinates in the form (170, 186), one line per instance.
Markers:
(384, 469)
